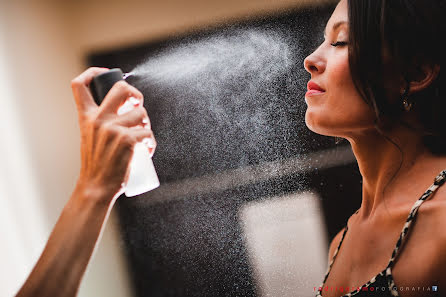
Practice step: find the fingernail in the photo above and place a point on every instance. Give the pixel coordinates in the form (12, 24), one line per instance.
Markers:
(145, 120)
(149, 142)
(147, 126)
(124, 108)
(134, 101)
(151, 152)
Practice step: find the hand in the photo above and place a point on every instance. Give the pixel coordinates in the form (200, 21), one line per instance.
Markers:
(107, 139)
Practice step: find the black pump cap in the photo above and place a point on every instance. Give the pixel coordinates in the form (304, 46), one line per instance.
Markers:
(102, 83)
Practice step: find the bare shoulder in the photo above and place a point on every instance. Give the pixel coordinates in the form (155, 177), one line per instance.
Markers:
(334, 244)
(337, 239)
(433, 215)
(439, 220)
(434, 212)
(422, 259)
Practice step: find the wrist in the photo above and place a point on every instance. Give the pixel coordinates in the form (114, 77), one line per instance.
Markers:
(92, 192)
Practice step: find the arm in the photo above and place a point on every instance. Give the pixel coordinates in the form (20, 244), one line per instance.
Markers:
(107, 141)
(62, 264)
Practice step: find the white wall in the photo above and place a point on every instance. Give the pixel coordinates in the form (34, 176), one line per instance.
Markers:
(42, 47)
(17, 202)
(127, 22)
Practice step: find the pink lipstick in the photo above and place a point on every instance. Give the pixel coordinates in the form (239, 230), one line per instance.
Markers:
(313, 89)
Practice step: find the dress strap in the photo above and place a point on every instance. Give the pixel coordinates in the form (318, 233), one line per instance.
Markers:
(438, 181)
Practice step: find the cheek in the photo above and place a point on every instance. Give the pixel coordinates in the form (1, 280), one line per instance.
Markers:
(338, 75)
(341, 109)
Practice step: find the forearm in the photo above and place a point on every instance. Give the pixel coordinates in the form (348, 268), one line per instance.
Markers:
(107, 142)
(64, 260)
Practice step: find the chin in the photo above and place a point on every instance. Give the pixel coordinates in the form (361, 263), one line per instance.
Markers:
(313, 124)
(322, 127)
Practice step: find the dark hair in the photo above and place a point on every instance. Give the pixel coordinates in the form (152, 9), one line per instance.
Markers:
(412, 33)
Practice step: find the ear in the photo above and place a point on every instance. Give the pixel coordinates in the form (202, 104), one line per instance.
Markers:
(426, 76)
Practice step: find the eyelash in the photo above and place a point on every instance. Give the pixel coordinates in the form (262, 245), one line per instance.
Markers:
(339, 43)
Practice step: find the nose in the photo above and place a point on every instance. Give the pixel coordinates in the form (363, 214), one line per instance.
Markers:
(314, 63)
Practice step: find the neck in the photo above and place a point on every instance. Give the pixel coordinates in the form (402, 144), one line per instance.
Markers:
(386, 164)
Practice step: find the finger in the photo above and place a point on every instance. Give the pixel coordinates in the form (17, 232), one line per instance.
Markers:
(151, 145)
(139, 134)
(80, 88)
(135, 117)
(117, 95)
(146, 123)
(128, 105)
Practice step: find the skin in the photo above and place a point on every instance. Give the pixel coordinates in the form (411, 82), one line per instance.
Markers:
(107, 142)
(388, 194)
(106, 149)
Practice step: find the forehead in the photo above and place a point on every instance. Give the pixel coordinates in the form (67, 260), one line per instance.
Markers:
(339, 16)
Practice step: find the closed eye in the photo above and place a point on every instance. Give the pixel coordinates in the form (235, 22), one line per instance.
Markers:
(339, 43)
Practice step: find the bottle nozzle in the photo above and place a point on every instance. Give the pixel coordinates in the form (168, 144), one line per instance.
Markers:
(126, 75)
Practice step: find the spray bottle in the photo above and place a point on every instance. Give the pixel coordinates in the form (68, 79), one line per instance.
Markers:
(142, 176)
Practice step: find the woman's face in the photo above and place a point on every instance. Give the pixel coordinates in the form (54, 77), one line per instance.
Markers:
(335, 108)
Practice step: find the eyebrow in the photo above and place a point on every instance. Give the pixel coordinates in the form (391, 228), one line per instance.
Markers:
(335, 26)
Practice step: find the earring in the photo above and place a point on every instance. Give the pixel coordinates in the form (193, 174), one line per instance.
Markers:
(407, 105)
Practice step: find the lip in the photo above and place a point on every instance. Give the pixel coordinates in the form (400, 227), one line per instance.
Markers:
(313, 89)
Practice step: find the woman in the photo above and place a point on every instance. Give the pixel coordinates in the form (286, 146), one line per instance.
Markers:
(107, 141)
(376, 81)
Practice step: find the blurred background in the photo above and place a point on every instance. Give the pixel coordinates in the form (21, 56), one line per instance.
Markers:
(256, 221)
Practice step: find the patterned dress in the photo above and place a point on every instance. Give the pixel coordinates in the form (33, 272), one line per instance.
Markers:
(382, 284)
